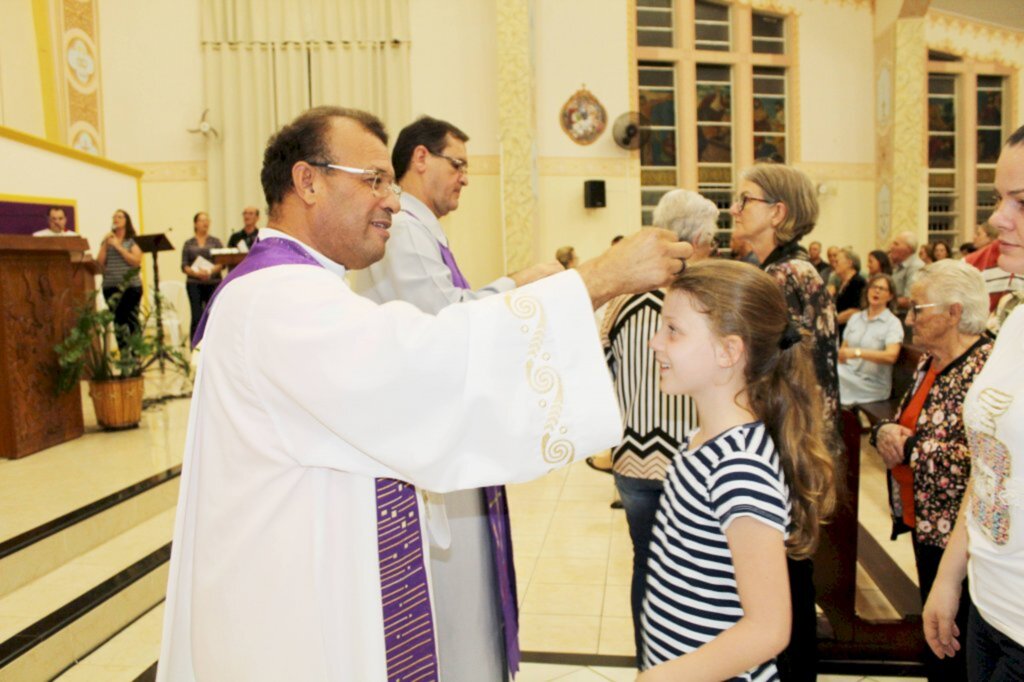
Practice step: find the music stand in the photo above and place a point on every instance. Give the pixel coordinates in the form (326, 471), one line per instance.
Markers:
(154, 244)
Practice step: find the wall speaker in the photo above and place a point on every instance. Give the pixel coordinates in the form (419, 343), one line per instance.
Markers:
(593, 194)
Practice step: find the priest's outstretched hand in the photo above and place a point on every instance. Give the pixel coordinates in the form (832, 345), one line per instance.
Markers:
(647, 260)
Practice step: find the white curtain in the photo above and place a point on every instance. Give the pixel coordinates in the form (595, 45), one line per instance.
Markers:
(266, 61)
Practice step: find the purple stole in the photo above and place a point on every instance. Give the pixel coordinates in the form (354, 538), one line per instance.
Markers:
(410, 650)
(501, 535)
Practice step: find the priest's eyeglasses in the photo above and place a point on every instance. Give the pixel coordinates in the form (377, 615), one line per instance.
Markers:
(460, 165)
(379, 185)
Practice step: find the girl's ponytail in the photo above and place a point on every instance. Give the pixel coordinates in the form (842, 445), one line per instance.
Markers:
(782, 387)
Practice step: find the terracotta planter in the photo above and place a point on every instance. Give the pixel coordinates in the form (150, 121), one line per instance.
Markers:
(118, 404)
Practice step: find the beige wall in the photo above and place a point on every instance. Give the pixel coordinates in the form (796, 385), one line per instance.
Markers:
(456, 80)
(29, 170)
(21, 99)
(835, 66)
(152, 80)
(152, 92)
(566, 59)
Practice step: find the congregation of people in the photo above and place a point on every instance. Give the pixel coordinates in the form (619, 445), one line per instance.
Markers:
(715, 378)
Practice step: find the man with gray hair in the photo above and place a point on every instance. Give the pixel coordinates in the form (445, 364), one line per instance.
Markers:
(905, 265)
(654, 422)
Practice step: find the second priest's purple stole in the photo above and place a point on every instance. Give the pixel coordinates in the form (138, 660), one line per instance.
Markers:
(501, 535)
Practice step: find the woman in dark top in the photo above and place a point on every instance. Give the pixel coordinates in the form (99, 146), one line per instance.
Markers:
(775, 208)
(118, 256)
(851, 287)
(879, 263)
(203, 277)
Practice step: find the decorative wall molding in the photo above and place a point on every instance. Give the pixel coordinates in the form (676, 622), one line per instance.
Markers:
(909, 166)
(517, 132)
(78, 75)
(968, 38)
(173, 171)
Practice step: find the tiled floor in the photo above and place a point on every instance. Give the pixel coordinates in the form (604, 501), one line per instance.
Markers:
(572, 552)
(574, 559)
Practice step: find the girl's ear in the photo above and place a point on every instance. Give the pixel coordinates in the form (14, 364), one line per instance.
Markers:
(730, 351)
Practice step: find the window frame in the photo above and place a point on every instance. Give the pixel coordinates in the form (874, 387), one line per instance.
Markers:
(741, 60)
(966, 71)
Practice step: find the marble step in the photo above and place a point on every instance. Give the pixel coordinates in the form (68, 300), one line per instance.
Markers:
(52, 622)
(53, 543)
(128, 656)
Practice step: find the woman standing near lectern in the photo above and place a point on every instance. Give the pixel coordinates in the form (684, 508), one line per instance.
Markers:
(118, 255)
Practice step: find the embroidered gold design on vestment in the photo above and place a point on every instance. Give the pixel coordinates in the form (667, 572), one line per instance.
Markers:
(543, 378)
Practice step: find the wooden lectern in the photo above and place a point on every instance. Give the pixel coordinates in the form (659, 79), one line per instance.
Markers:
(42, 281)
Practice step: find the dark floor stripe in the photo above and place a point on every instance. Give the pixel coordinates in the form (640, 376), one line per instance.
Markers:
(567, 658)
(19, 542)
(148, 676)
(104, 642)
(894, 583)
(78, 607)
(871, 668)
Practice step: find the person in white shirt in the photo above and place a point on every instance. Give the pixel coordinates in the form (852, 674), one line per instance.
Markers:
(298, 546)
(57, 224)
(474, 585)
(987, 542)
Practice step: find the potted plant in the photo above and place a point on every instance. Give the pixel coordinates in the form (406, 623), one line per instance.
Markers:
(114, 374)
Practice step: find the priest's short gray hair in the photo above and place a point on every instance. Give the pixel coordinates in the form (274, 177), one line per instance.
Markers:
(951, 281)
(691, 216)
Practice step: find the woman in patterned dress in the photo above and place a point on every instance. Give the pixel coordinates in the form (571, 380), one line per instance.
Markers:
(926, 445)
(776, 207)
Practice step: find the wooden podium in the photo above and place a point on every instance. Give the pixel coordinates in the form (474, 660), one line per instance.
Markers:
(42, 281)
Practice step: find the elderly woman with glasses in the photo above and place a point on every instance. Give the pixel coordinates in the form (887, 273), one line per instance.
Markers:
(925, 446)
(871, 345)
(775, 208)
(654, 422)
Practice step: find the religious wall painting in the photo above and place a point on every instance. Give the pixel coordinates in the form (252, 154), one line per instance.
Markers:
(769, 114)
(990, 108)
(583, 117)
(770, 147)
(941, 114)
(714, 123)
(989, 144)
(941, 151)
(658, 106)
(660, 149)
(714, 102)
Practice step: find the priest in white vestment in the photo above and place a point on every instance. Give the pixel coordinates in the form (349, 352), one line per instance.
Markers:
(473, 584)
(309, 400)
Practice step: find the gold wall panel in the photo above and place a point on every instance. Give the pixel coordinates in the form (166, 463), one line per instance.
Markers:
(516, 133)
(77, 66)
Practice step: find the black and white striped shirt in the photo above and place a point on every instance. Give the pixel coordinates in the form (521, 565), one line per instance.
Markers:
(654, 424)
(117, 267)
(691, 594)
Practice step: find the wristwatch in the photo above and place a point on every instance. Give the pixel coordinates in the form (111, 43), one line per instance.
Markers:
(857, 353)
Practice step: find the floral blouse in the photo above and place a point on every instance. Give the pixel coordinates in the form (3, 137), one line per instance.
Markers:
(812, 308)
(938, 452)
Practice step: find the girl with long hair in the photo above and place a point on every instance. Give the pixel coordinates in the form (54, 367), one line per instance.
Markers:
(748, 488)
